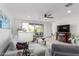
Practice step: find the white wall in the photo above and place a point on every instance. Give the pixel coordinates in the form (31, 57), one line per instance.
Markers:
(47, 29)
(72, 20)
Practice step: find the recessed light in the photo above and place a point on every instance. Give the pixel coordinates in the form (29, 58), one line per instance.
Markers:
(69, 11)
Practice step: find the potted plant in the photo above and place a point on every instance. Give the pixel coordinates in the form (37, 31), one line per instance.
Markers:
(74, 39)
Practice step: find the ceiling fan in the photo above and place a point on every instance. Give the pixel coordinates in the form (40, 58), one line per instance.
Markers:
(47, 16)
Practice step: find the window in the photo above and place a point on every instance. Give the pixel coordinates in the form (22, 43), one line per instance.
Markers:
(32, 27)
(25, 26)
(39, 28)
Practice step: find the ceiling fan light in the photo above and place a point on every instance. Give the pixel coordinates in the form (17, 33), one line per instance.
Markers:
(45, 18)
(69, 11)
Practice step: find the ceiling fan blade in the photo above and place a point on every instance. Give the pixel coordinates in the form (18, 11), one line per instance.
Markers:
(49, 14)
(68, 4)
(50, 17)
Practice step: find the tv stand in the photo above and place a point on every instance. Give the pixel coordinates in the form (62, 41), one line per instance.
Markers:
(63, 36)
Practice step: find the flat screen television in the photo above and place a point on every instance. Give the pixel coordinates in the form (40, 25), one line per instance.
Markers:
(63, 28)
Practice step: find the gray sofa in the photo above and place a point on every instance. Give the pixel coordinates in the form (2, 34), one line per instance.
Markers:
(64, 50)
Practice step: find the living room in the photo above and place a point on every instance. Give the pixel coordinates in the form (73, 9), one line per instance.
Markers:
(39, 29)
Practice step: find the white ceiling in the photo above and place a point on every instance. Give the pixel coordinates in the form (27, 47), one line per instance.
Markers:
(36, 10)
